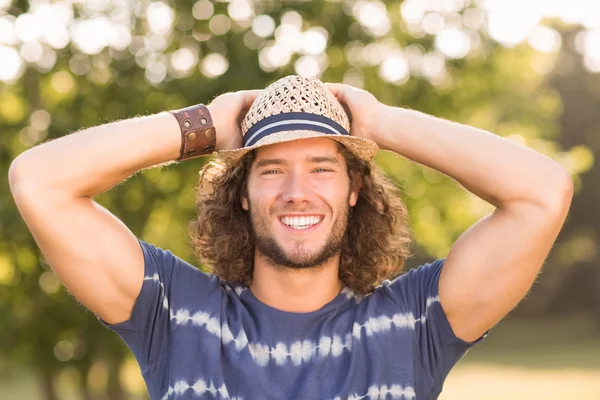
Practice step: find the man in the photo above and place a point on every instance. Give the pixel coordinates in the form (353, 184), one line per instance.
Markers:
(300, 229)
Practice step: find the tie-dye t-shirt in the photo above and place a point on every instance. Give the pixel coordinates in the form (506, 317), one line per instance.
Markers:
(198, 337)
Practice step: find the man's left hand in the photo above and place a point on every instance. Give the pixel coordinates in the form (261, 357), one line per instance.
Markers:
(363, 109)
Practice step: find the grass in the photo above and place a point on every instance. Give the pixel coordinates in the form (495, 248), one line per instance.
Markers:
(550, 360)
(493, 382)
(549, 344)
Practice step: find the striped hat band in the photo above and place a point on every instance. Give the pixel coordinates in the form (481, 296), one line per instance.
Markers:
(292, 121)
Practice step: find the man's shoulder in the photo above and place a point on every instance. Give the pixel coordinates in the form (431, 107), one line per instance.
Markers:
(412, 289)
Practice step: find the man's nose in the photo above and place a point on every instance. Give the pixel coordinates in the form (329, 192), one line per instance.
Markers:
(295, 188)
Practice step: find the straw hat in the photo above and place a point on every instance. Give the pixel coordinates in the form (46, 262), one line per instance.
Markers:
(296, 107)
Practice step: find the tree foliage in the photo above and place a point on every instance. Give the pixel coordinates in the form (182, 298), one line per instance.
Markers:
(208, 49)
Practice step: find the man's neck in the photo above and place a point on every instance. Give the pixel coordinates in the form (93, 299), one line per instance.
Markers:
(295, 290)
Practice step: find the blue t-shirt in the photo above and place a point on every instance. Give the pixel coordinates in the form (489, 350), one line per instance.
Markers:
(196, 336)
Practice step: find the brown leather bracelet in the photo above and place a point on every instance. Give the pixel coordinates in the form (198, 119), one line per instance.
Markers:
(198, 135)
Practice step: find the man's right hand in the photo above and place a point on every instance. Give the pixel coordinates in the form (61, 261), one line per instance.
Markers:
(93, 253)
(227, 112)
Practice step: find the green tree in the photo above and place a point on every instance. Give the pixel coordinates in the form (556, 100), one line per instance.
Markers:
(169, 55)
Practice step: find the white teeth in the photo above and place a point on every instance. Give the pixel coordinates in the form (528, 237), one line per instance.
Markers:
(301, 222)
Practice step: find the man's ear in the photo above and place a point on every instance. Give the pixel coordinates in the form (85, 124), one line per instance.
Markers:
(355, 189)
(245, 203)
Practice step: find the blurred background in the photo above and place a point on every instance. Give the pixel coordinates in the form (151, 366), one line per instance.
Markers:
(528, 70)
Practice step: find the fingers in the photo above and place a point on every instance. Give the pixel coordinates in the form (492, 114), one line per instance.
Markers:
(248, 97)
(335, 88)
(339, 90)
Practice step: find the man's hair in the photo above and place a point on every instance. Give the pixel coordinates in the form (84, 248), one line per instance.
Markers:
(375, 247)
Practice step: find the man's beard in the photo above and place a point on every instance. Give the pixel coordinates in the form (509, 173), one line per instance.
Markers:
(266, 244)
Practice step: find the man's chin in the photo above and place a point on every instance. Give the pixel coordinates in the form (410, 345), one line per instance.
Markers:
(303, 262)
(296, 260)
(296, 255)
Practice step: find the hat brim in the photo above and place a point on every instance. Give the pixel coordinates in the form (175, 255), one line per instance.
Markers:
(363, 148)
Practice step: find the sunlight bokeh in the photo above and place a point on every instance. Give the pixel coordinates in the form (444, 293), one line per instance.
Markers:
(35, 36)
(524, 70)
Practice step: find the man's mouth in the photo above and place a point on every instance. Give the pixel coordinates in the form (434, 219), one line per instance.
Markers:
(301, 222)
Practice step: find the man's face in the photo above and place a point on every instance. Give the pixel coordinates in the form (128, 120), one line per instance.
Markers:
(298, 196)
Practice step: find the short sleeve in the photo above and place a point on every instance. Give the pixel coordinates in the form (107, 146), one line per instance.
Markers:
(416, 292)
(169, 283)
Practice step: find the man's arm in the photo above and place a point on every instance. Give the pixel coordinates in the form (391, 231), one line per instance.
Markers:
(93, 253)
(493, 264)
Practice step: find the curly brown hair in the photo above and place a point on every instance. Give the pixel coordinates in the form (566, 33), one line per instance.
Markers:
(375, 246)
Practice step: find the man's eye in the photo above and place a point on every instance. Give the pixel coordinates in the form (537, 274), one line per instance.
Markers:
(322, 170)
(270, 172)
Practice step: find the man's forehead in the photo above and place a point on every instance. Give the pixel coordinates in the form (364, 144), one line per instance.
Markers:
(299, 149)
(263, 161)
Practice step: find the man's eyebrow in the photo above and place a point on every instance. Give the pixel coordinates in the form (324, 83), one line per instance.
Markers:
(324, 159)
(269, 161)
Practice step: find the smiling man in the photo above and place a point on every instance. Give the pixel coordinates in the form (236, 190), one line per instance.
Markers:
(304, 236)
(310, 227)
